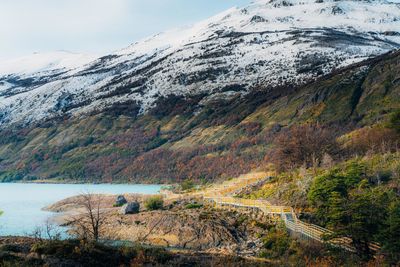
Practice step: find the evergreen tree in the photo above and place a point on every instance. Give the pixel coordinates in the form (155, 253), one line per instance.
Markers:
(390, 234)
(347, 204)
(366, 211)
(337, 211)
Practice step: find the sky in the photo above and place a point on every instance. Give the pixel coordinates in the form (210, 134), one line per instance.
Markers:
(94, 26)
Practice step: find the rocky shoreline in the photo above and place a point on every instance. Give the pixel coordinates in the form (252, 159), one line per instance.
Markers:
(184, 224)
(185, 232)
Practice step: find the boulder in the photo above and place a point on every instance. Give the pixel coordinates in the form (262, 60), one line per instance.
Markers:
(276, 128)
(251, 245)
(121, 200)
(130, 208)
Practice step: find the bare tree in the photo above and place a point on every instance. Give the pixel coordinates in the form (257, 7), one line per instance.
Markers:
(49, 232)
(89, 223)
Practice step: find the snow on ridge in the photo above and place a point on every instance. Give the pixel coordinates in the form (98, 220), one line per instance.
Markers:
(267, 42)
(265, 15)
(44, 62)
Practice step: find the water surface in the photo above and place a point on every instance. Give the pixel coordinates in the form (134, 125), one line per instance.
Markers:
(22, 203)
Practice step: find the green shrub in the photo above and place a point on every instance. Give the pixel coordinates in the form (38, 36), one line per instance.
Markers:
(187, 185)
(394, 121)
(156, 142)
(154, 203)
(276, 243)
(239, 221)
(11, 176)
(194, 206)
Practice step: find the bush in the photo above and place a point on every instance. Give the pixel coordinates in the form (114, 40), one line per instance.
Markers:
(187, 185)
(303, 145)
(154, 203)
(276, 243)
(374, 139)
(394, 121)
(194, 206)
(11, 176)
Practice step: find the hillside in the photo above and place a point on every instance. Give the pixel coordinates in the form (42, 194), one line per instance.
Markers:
(204, 102)
(176, 141)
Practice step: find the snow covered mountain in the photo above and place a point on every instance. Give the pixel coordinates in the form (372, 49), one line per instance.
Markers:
(44, 63)
(268, 43)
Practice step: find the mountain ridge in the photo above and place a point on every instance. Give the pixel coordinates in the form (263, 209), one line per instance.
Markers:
(222, 57)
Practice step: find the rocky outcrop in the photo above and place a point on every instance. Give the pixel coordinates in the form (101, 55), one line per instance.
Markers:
(198, 229)
(121, 200)
(130, 208)
(179, 225)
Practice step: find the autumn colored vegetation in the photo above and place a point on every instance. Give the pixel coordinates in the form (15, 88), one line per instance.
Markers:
(348, 182)
(200, 139)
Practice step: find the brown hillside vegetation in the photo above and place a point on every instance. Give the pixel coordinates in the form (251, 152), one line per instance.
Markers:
(185, 138)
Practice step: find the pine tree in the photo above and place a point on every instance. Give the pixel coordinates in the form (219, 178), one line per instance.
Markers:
(390, 234)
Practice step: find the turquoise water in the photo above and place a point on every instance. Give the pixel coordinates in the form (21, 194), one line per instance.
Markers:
(22, 203)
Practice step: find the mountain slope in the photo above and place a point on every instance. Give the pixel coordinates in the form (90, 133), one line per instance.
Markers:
(174, 141)
(44, 63)
(269, 43)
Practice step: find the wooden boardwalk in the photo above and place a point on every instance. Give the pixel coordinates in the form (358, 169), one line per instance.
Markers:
(222, 196)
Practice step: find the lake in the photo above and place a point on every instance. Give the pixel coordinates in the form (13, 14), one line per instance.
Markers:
(22, 203)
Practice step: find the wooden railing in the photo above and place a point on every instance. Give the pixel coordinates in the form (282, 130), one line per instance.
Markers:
(219, 196)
